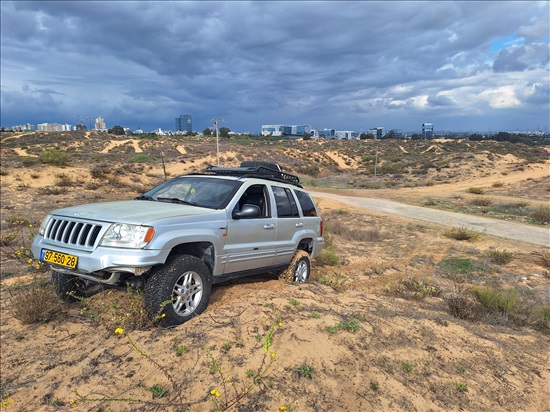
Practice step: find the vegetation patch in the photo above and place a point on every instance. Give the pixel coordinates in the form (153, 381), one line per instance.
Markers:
(462, 233)
(55, 157)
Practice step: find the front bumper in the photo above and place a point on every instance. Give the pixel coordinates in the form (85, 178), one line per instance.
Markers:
(105, 259)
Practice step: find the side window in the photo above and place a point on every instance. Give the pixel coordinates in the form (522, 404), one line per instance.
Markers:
(286, 205)
(306, 203)
(255, 195)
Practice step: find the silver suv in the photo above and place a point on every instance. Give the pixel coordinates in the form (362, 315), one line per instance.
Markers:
(176, 240)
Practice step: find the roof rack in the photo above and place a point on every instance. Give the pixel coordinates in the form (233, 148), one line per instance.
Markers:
(260, 172)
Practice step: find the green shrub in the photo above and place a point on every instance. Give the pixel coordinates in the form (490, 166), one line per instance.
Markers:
(309, 170)
(501, 257)
(495, 301)
(55, 157)
(476, 190)
(29, 160)
(328, 257)
(142, 158)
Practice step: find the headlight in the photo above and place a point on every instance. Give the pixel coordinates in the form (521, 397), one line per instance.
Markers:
(42, 228)
(129, 236)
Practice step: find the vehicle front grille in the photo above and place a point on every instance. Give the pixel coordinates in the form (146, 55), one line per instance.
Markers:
(72, 233)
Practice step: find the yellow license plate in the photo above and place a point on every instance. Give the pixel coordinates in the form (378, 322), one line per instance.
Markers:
(60, 259)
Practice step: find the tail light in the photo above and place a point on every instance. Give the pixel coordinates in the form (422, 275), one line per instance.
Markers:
(321, 226)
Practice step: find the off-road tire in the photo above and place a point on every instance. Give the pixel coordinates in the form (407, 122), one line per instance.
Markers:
(178, 290)
(70, 288)
(299, 269)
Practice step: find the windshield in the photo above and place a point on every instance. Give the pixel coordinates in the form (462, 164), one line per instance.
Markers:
(194, 190)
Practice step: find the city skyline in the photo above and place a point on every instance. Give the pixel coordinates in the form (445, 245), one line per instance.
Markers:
(342, 65)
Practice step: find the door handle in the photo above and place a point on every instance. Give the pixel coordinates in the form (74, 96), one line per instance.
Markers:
(299, 225)
(269, 227)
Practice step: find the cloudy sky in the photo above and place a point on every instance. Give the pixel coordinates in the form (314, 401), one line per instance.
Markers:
(479, 66)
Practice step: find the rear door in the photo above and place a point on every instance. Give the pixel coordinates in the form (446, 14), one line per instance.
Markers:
(289, 224)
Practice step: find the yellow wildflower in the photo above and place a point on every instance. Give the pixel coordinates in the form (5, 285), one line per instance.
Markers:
(273, 354)
(282, 408)
(214, 392)
(120, 331)
(281, 323)
(73, 403)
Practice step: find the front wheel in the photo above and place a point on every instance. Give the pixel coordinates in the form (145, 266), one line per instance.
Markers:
(73, 288)
(299, 269)
(178, 290)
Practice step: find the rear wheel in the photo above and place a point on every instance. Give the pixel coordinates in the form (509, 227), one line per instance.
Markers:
(178, 290)
(299, 269)
(71, 288)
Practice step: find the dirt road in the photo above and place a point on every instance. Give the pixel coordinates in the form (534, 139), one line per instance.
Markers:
(494, 227)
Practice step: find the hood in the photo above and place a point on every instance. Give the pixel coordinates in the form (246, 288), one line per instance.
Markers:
(132, 211)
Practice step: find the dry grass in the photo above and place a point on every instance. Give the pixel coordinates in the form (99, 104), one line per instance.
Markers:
(462, 233)
(36, 303)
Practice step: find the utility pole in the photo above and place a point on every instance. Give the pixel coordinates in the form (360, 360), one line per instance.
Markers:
(216, 122)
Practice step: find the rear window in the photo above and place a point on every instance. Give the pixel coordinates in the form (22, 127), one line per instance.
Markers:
(306, 203)
(286, 205)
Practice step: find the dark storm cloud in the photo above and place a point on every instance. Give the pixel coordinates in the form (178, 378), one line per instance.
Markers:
(331, 64)
(522, 57)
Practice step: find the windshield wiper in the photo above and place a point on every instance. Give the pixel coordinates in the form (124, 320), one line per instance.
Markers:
(143, 197)
(176, 200)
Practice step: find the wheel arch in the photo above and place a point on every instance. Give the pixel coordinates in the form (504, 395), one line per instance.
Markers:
(203, 250)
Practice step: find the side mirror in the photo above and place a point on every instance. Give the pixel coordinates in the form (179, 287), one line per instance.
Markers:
(247, 212)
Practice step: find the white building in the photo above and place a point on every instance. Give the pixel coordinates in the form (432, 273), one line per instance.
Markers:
(100, 124)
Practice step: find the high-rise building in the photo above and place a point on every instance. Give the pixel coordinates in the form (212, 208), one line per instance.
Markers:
(100, 124)
(183, 123)
(427, 131)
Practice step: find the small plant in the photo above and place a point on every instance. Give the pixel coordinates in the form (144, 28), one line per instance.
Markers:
(374, 385)
(476, 190)
(314, 315)
(63, 180)
(226, 346)
(350, 326)
(407, 367)
(181, 350)
(501, 257)
(410, 288)
(293, 302)
(462, 387)
(462, 233)
(347, 325)
(249, 373)
(158, 391)
(498, 183)
(482, 201)
(304, 371)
